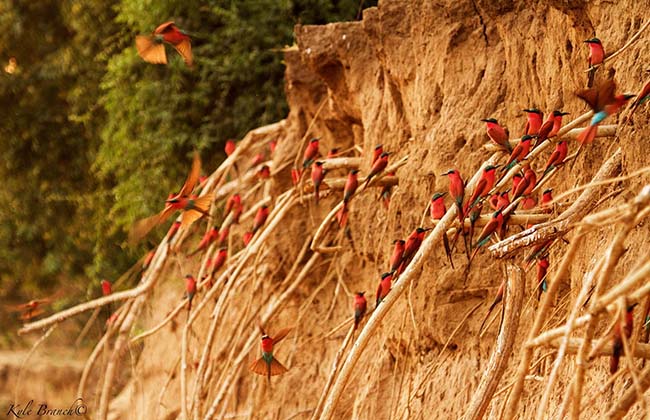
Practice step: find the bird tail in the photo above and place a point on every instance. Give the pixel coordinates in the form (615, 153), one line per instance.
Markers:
(150, 50)
(591, 76)
(588, 135)
(274, 368)
(445, 241)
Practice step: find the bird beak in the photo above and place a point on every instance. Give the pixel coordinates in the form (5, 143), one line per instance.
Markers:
(565, 113)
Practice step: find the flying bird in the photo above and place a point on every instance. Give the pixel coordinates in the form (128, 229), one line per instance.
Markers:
(268, 365)
(152, 47)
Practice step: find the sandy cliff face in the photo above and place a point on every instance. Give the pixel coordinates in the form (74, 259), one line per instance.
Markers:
(416, 77)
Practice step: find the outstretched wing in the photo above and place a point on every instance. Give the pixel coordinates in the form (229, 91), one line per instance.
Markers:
(193, 177)
(141, 228)
(151, 51)
(184, 48)
(281, 334)
(163, 27)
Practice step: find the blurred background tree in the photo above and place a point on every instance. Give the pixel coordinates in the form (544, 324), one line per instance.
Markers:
(93, 137)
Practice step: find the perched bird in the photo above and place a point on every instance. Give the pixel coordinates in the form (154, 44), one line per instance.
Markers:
(604, 102)
(542, 269)
(260, 218)
(264, 172)
(190, 290)
(268, 365)
(641, 98)
(317, 175)
(230, 147)
(295, 176)
(556, 158)
(534, 121)
(526, 185)
(491, 227)
(192, 207)
(152, 49)
(334, 152)
(519, 152)
(210, 236)
(547, 198)
(621, 328)
(219, 260)
(246, 238)
(360, 305)
(257, 159)
(173, 229)
(494, 201)
(223, 236)
(379, 149)
(310, 153)
(497, 134)
(233, 202)
(457, 191)
(342, 215)
(503, 201)
(413, 243)
(377, 167)
(498, 298)
(529, 203)
(398, 254)
(483, 187)
(384, 287)
(351, 185)
(596, 57)
(551, 126)
(557, 123)
(272, 145)
(106, 288)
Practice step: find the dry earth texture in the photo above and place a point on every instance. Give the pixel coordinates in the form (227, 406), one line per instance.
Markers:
(417, 77)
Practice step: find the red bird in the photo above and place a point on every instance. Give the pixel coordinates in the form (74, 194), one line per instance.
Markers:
(260, 218)
(334, 152)
(233, 202)
(190, 290)
(147, 259)
(310, 153)
(641, 98)
(264, 172)
(534, 121)
(230, 147)
(342, 216)
(152, 49)
(246, 238)
(547, 198)
(268, 365)
(457, 191)
(623, 327)
(604, 102)
(379, 149)
(529, 203)
(384, 287)
(223, 236)
(491, 227)
(272, 145)
(173, 229)
(31, 309)
(220, 260)
(360, 305)
(520, 152)
(557, 157)
(192, 207)
(437, 209)
(483, 187)
(398, 253)
(377, 167)
(413, 243)
(503, 201)
(526, 185)
(317, 175)
(596, 57)
(106, 287)
(209, 237)
(351, 185)
(551, 126)
(497, 134)
(557, 123)
(257, 159)
(542, 269)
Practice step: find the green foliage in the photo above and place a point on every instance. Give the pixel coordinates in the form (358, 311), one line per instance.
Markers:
(93, 137)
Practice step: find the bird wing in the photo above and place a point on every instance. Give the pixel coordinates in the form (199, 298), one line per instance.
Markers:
(189, 217)
(192, 177)
(184, 48)
(141, 228)
(163, 27)
(151, 51)
(606, 92)
(281, 334)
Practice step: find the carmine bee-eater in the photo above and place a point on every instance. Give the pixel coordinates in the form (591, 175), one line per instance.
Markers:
(547, 198)
(173, 229)
(334, 152)
(604, 102)
(236, 214)
(557, 122)
(210, 236)
(498, 298)
(377, 167)
(152, 49)
(542, 271)
(106, 287)
(494, 201)
(596, 57)
(503, 201)
(147, 259)
(311, 152)
(556, 158)
(264, 172)
(360, 305)
(192, 207)
(223, 236)
(551, 126)
(219, 260)
(398, 255)
(268, 365)
(537, 252)
(622, 327)
(534, 121)
(519, 152)
(317, 175)
(641, 98)
(295, 176)
(257, 159)
(230, 147)
(457, 191)
(413, 243)
(31, 309)
(494, 225)
(384, 287)
(528, 203)
(260, 218)
(246, 238)
(190, 290)
(272, 145)
(483, 187)
(497, 134)
(351, 185)
(526, 185)
(437, 210)
(232, 203)
(379, 149)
